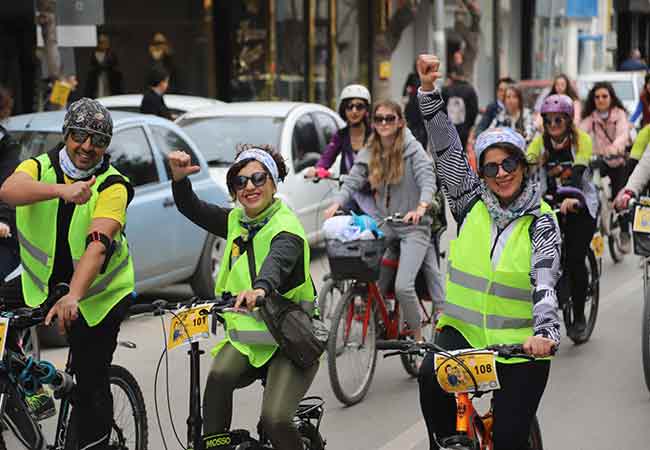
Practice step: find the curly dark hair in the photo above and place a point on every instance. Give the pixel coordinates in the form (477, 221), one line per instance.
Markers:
(235, 168)
(590, 103)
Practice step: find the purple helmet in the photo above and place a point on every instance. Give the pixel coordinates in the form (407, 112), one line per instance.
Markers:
(558, 103)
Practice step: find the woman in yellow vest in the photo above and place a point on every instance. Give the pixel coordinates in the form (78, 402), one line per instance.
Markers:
(266, 252)
(503, 268)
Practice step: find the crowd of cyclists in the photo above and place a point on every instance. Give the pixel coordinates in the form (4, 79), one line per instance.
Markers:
(503, 265)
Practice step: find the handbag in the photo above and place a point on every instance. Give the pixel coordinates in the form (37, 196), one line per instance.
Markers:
(301, 338)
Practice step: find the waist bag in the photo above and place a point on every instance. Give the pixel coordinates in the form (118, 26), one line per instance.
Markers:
(301, 338)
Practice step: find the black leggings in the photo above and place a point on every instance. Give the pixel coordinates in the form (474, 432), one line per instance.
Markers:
(578, 229)
(514, 405)
(617, 178)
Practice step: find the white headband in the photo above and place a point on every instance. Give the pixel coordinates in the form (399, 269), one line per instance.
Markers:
(262, 157)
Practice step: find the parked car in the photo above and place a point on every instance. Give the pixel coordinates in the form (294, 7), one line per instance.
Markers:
(177, 104)
(167, 248)
(299, 130)
(627, 85)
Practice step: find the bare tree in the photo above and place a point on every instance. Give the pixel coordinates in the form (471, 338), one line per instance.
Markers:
(47, 20)
(386, 41)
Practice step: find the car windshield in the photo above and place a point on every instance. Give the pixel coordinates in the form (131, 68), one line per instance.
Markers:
(34, 143)
(217, 137)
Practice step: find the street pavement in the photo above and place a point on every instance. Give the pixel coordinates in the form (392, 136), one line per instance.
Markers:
(596, 397)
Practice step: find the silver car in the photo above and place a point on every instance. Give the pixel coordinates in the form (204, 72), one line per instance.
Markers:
(300, 131)
(167, 248)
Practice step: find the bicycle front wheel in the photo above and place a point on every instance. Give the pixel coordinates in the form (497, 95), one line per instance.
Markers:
(329, 296)
(352, 349)
(592, 301)
(412, 363)
(645, 334)
(129, 430)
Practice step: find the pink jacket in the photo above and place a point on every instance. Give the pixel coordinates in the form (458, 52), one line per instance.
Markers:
(610, 137)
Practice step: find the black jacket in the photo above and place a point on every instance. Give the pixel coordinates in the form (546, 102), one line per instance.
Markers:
(461, 103)
(9, 153)
(152, 103)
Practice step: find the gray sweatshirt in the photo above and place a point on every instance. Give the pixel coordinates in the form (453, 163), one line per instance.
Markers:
(417, 184)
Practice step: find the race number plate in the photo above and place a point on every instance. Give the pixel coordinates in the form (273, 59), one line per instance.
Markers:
(453, 376)
(641, 220)
(4, 326)
(598, 245)
(189, 325)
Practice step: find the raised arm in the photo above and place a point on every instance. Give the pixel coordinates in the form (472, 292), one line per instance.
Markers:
(460, 183)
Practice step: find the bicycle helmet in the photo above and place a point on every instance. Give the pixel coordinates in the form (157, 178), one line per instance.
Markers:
(89, 115)
(557, 103)
(353, 91)
(499, 137)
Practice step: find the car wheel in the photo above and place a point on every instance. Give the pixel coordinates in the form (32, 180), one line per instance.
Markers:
(49, 336)
(206, 271)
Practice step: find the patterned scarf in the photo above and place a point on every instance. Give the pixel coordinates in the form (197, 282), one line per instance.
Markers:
(252, 225)
(527, 201)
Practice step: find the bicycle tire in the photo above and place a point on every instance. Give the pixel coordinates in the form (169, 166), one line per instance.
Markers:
(311, 437)
(614, 252)
(121, 378)
(3, 446)
(535, 436)
(412, 363)
(593, 299)
(348, 304)
(327, 300)
(645, 335)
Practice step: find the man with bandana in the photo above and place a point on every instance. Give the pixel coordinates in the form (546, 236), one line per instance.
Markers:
(70, 214)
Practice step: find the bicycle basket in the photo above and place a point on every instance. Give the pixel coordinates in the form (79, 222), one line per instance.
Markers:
(642, 244)
(355, 260)
(640, 231)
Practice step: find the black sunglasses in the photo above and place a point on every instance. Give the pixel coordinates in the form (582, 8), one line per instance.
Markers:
(557, 121)
(80, 135)
(385, 119)
(356, 106)
(509, 164)
(258, 179)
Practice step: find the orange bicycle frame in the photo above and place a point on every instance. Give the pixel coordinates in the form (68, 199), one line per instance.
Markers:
(465, 413)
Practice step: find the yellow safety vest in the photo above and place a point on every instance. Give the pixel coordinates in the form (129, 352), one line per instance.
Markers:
(489, 292)
(37, 235)
(247, 332)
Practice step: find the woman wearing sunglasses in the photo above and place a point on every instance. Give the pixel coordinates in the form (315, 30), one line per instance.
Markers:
(266, 252)
(503, 267)
(400, 173)
(605, 120)
(563, 153)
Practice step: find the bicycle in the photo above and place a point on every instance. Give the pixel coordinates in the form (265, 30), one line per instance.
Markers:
(11, 297)
(356, 332)
(465, 372)
(641, 234)
(20, 375)
(564, 284)
(190, 325)
(608, 220)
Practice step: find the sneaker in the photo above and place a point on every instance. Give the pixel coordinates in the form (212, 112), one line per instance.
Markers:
(41, 405)
(625, 242)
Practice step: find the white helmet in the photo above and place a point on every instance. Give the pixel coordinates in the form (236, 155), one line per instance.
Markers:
(355, 91)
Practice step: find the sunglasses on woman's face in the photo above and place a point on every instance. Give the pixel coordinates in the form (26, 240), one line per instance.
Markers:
(389, 119)
(360, 106)
(258, 179)
(80, 135)
(509, 164)
(557, 121)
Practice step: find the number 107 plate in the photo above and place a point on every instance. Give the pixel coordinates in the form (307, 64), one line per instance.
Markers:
(454, 374)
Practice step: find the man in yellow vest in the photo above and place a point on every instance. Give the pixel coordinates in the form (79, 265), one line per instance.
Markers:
(70, 215)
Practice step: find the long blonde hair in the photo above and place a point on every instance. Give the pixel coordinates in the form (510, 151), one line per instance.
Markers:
(386, 165)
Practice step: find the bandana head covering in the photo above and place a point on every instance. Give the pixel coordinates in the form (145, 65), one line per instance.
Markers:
(263, 158)
(89, 115)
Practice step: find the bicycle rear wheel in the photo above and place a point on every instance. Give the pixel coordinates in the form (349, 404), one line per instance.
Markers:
(613, 240)
(329, 296)
(351, 350)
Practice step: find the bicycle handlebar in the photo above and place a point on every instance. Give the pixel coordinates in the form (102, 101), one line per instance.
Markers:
(160, 306)
(420, 348)
(28, 317)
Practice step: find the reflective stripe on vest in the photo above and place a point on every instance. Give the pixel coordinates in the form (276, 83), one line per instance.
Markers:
(36, 253)
(489, 294)
(252, 337)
